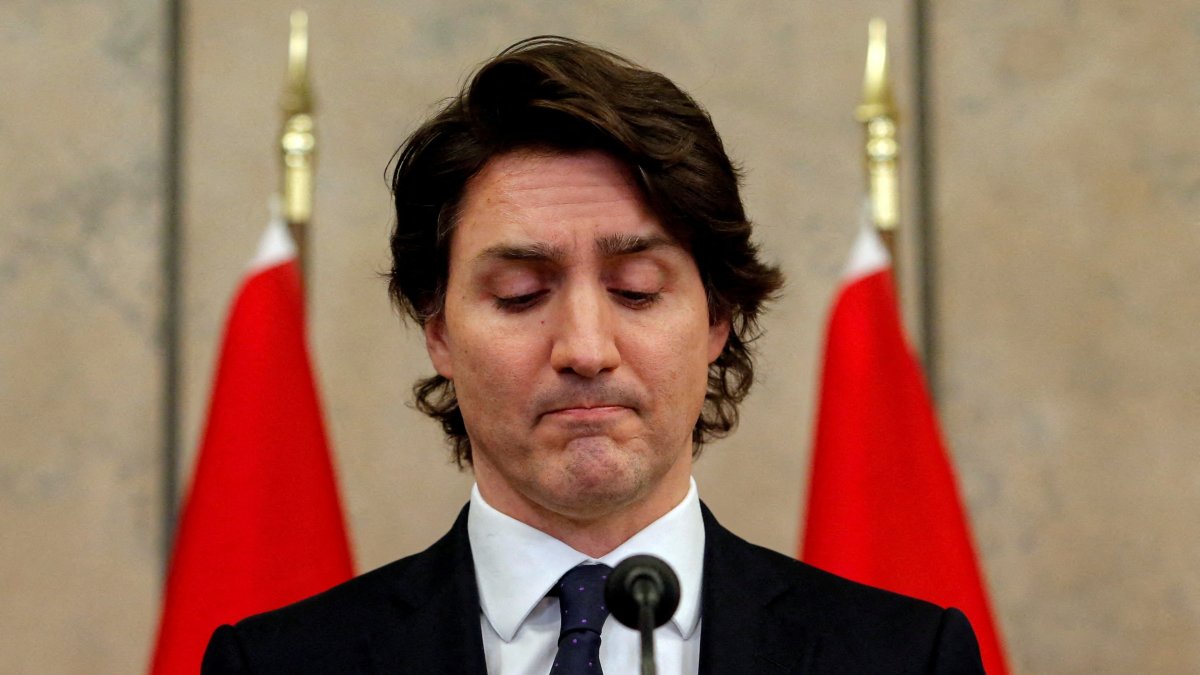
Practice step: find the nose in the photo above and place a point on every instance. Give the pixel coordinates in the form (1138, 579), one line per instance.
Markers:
(585, 341)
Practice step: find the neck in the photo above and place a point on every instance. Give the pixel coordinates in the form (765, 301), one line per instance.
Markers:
(599, 536)
(592, 529)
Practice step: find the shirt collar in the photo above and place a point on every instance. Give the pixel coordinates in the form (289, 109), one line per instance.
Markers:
(516, 565)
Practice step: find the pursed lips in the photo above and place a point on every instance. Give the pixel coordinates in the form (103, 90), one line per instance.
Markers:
(599, 403)
(587, 411)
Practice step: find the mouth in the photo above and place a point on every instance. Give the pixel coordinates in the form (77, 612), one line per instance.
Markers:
(587, 413)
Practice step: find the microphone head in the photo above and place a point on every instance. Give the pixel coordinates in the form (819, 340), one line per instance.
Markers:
(645, 577)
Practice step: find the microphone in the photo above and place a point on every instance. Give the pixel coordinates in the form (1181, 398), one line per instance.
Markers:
(642, 593)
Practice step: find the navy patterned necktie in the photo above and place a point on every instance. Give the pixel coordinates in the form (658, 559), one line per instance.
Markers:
(581, 606)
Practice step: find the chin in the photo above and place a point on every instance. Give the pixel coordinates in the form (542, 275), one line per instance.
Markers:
(600, 460)
(600, 476)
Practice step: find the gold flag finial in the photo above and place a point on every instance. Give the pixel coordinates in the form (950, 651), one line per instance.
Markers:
(879, 117)
(297, 142)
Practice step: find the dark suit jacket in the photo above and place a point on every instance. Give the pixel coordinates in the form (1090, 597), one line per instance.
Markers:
(761, 612)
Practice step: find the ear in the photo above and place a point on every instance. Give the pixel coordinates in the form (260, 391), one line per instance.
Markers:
(718, 335)
(437, 344)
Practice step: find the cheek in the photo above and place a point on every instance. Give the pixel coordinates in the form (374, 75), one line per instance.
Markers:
(674, 362)
(492, 364)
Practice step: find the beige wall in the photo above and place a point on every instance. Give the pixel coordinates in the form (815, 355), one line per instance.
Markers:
(1068, 248)
(1065, 196)
(81, 307)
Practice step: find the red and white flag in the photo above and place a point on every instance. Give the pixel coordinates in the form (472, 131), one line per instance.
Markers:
(883, 505)
(262, 525)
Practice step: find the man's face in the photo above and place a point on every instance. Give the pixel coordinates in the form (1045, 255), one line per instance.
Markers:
(577, 335)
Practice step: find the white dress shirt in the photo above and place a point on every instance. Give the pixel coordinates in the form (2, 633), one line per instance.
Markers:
(516, 565)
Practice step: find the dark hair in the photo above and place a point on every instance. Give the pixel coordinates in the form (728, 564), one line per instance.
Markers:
(562, 95)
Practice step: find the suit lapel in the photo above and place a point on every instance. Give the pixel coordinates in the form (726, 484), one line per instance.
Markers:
(745, 624)
(431, 631)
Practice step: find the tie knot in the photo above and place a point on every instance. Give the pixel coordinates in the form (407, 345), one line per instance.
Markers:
(581, 598)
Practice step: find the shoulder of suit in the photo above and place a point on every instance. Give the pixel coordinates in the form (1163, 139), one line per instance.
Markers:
(364, 599)
(836, 587)
(841, 604)
(835, 594)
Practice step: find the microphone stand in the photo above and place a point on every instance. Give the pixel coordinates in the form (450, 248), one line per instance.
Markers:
(646, 626)
(643, 592)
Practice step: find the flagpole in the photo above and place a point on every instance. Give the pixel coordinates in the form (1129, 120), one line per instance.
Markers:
(879, 118)
(297, 142)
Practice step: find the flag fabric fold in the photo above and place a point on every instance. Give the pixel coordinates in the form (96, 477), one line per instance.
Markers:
(883, 505)
(262, 525)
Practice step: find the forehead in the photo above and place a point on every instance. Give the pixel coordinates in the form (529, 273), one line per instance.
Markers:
(562, 199)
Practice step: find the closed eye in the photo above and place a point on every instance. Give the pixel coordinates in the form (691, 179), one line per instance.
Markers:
(636, 299)
(516, 303)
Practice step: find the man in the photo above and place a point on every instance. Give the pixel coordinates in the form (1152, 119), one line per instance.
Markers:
(571, 239)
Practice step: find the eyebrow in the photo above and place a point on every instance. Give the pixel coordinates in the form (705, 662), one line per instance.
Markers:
(615, 245)
(610, 246)
(536, 252)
